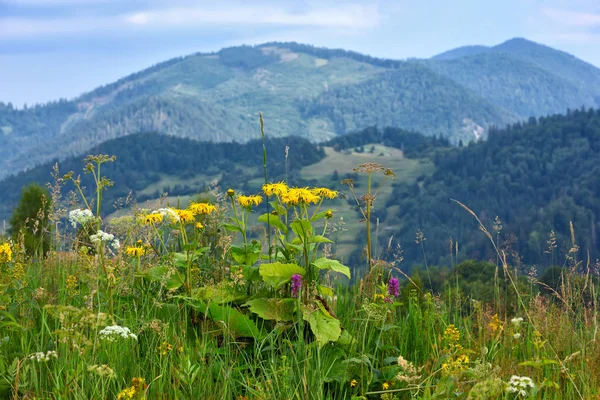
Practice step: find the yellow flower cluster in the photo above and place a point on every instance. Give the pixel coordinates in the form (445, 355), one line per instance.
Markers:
(72, 284)
(324, 192)
(495, 324)
(293, 196)
(247, 201)
(136, 390)
(18, 272)
(455, 365)
(451, 334)
(5, 253)
(202, 208)
(164, 348)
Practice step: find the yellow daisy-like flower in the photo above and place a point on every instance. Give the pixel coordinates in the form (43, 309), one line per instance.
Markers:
(135, 251)
(353, 383)
(185, 216)
(201, 208)
(5, 253)
(152, 219)
(324, 192)
(386, 385)
(275, 188)
(230, 192)
(246, 201)
(299, 195)
(199, 225)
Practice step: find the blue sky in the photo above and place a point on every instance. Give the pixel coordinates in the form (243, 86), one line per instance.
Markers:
(52, 49)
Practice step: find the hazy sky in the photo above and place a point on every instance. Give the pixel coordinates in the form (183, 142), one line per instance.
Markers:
(60, 48)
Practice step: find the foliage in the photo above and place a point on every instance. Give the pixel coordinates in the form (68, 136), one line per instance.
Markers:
(30, 223)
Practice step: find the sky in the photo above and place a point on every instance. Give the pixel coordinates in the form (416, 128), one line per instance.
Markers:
(51, 49)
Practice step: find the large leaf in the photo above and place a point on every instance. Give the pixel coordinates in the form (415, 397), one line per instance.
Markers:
(232, 228)
(163, 274)
(219, 294)
(321, 239)
(233, 321)
(325, 327)
(334, 265)
(247, 255)
(273, 220)
(277, 274)
(273, 309)
(302, 228)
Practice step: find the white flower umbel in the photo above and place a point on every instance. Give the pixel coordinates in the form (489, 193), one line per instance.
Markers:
(114, 332)
(520, 385)
(516, 321)
(108, 238)
(80, 216)
(43, 357)
(167, 213)
(517, 335)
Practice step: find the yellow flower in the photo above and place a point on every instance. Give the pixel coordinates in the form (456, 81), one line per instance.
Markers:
(230, 192)
(329, 214)
(151, 219)
(386, 385)
(299, 195)
(353, 383)
(138, 383)
(135, 251)
(201, 208)
(378, 296)
(275, 188)
(164, 348)
(185, 216)
(199, 225)
(5, 253)
(324, 192)
(18, 272)
(246, 201)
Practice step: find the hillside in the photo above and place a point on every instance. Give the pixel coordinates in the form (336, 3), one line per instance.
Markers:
(536, 177)
(305, 91)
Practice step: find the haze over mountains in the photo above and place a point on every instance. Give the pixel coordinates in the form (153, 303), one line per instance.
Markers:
(310, 92)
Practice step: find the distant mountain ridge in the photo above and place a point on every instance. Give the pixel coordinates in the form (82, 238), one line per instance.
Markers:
(302, 90)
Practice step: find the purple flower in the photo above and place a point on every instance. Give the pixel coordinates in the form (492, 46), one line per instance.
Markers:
(296, 284)
(393, 287)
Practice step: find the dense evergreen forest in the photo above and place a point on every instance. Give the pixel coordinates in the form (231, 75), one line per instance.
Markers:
(536, 177)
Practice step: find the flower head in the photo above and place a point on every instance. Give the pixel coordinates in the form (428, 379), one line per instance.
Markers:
(107, 238)
(248, 201)
(393, 287)
(113, 332)
(201, 208)
(135, 251)
(274, 188)
(296, 284)
(324, 192)
(152, 219)
(185, 216)
(295, 196)
(80, 216)
(5, 253)
(230, 192)
(353, 383)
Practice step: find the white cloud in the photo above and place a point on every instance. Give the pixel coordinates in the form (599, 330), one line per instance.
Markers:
(573, 18)
(344, 16)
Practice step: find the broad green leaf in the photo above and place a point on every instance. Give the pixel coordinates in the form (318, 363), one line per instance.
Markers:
(302, 228)
(233, 321)
(326, 291)
(232, 228)
(163, 274)
(325, 328)
(219, 294)
(347, 339)
(321, 239)
(277, 274)
(247, 255)
(320, 215)
(334, 265)
(274, 221)
(273, 309)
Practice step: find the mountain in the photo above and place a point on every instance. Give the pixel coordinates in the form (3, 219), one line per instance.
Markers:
(314, 93)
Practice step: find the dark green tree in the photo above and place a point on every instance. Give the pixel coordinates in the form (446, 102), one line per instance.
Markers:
(30, 219)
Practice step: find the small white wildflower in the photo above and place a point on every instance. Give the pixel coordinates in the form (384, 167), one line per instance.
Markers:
(113, 332)
(43, 357)
(517, 336)
(519, 385)
(108, 238)
(80, 216)
(516, 321)
(167, 213)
